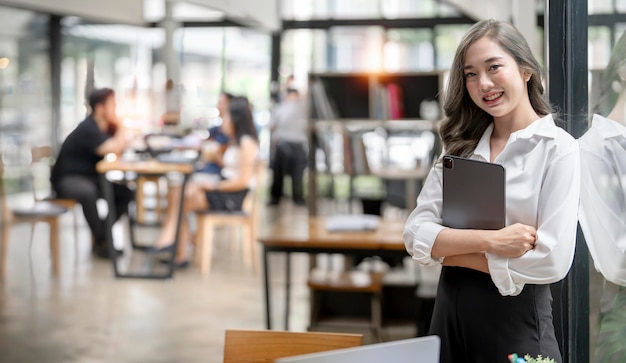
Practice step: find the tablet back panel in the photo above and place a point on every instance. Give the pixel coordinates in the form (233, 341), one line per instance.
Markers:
(473, 194)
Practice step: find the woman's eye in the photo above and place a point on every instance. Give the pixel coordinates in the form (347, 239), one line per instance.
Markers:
(495, 67)
(469, 74)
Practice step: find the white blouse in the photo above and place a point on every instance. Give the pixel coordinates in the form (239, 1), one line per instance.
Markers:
(231, 160)
(602, 211)
(542, 190)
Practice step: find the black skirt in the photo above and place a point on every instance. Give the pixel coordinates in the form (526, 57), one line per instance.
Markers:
(226, 201)
(477, 324)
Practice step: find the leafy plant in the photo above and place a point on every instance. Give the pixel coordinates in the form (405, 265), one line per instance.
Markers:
(513, 358)
(539, 359)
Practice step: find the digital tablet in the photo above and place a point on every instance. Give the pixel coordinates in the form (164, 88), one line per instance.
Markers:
(473, 194)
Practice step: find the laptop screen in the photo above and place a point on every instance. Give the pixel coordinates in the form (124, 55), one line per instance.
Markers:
(422, 350)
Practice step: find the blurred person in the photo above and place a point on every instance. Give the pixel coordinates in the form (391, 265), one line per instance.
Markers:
(214, 147)
(227, 194)
(289, 136)
(74, 174)
(171, 117)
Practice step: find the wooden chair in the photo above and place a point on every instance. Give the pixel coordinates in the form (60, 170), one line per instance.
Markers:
(40, 154)
(249, 346)
(246, 220)
(40, 211)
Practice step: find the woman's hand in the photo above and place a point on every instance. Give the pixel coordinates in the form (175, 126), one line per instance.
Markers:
(513, 241)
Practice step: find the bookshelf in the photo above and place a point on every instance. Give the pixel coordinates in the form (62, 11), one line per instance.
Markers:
(366, 101)
(374, 96)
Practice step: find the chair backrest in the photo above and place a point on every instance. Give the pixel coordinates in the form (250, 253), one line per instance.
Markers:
(250, 346)
(41, 156)
(250, 202)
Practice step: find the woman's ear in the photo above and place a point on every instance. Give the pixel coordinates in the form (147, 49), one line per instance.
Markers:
(527, 75)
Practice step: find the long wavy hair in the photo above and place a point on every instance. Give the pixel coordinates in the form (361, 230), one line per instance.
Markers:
(241, 116)
(464, 122)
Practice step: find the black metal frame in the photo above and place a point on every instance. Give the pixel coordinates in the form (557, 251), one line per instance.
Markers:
(566, 45)
(107, 191)
(365, 252)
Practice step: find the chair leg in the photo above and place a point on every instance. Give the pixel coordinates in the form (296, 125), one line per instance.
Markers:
(4, 246)
(199, 238)
(54, 244)
(246, 244)
(140, 210)
(376, 317)
(207, 247)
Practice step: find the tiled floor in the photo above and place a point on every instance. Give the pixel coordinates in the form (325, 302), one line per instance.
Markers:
(87, 315)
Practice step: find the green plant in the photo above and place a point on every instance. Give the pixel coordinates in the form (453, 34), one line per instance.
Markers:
(539, 359)
(513, 358)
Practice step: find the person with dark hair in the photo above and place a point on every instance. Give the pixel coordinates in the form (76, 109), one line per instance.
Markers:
(494, 297)
(289, 136)
(239, 162)
(74, 174)
(212, 156)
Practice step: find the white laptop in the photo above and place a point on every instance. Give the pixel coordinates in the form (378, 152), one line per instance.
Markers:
(416, 350)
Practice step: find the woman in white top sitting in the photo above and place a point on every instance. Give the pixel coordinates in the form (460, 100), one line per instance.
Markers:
(227, 194)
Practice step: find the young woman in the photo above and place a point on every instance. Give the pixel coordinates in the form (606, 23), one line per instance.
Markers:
(493, 297)
(239, 161)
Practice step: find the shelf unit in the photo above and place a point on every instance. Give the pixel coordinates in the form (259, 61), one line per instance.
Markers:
(361, 101)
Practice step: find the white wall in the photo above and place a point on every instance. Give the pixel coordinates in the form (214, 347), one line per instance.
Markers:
(263, 14)
(115, 11)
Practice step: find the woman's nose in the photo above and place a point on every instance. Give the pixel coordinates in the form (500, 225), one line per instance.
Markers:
(485, 82)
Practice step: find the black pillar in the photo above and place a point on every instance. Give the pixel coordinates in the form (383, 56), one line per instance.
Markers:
(56, 57)
(275, 66)
(566, 44)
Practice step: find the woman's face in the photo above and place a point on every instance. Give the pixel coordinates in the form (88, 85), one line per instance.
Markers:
(493, 79)
(222, 104)
(227, 126)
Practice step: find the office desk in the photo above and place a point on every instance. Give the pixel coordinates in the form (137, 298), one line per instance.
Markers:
(152, 167)
(290, 235)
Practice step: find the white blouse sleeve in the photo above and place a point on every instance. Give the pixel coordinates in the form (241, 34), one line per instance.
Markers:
(424, 223)
(602, 215)
(557, 220)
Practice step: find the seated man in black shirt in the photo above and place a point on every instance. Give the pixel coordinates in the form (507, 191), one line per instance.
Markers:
(74, 174)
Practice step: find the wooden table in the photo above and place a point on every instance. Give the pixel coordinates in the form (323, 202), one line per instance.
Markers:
(151, 167)
(310, 236)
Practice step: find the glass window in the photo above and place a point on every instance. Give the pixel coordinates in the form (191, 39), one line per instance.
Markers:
(303, 51)
(248, 65)
(600, 6)
(114, 56)
(305, 9)
(620, 6)
(409, 50)
(603, 209)
(25, 112)
(356, 49)
(447, 38)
